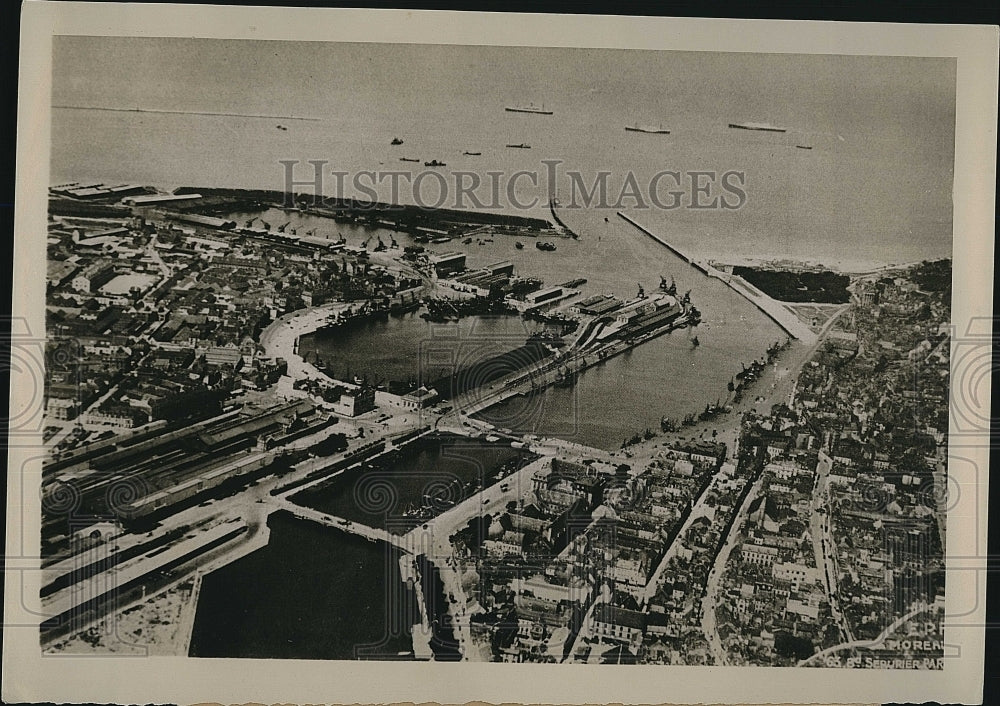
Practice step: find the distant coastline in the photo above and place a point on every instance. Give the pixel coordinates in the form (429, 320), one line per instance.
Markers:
(184, 112)
(847, 267)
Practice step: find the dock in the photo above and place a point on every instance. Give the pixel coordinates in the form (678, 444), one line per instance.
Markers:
(773, 309)
(585, 352)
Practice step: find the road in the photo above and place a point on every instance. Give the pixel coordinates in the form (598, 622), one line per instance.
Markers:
(650, 591)
(433, 539)
(824, 548)
(780, 387)
(882, 636)
(708, 624)
(372, 534)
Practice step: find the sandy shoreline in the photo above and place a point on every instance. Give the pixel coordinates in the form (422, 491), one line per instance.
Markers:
(847, 267)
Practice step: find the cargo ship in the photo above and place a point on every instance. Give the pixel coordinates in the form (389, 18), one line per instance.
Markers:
(521, 146)
(408, 159)
(761, 127)
(530, 108)
(434, 163)
(648, 129)
(472, 154)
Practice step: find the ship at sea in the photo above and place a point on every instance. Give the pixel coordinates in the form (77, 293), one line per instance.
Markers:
(530, 108)
(521, 146)
(546, 246)
(434, 163)
(648, 129)
(761, 127)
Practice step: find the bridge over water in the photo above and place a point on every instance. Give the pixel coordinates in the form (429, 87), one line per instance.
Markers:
(372, 534)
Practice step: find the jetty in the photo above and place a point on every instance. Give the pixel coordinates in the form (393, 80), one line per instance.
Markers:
(672, 248)
(780, 314)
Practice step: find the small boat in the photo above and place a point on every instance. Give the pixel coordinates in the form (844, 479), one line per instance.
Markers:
(466, 241)
(396, 141)
(546, 246)
(441, 239)
(434, 163)
(519, 245)
(521, 146)
(281, 127)
(472, 154)
(695, 342)
(408, 159)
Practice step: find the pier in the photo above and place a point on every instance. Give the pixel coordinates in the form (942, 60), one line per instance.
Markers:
(586, 352)
(672, 248)
(773, 309)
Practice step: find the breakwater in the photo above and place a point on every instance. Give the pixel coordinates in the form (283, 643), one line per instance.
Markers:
(402, 215)
(774, 310)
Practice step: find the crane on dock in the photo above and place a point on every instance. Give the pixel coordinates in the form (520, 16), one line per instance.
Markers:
(281, 228)
(267, 226)
(250, 222)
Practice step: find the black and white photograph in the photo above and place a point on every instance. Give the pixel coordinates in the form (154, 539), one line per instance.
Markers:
(434, 349)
